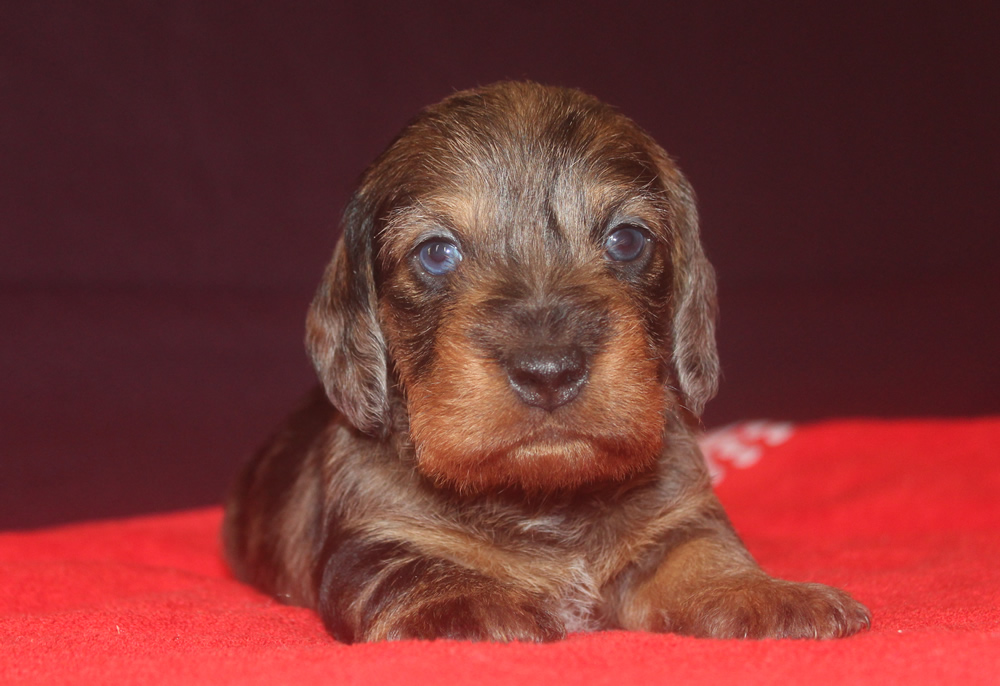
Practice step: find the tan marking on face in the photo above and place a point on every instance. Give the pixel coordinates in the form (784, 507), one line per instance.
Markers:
(472, 431)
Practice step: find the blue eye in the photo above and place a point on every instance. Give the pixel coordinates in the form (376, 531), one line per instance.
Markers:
(625, 243)
(439, 257)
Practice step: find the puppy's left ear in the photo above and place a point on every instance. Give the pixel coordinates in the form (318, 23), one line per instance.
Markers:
(343, 335)
(695, 357)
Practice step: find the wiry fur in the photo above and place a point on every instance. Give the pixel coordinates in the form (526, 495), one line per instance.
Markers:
(438, 501)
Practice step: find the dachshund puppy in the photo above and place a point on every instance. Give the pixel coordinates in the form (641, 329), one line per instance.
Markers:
(515, 339)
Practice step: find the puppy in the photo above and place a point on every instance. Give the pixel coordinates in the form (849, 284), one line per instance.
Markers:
(515, 339)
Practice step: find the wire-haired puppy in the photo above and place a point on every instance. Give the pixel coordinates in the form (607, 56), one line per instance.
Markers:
(515, 339)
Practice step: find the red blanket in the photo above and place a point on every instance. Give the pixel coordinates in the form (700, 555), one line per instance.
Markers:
(904, 515)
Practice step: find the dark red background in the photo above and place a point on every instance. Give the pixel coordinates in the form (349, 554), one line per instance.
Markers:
(171, 176)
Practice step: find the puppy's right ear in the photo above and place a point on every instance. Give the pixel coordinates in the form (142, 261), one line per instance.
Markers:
(343, 336)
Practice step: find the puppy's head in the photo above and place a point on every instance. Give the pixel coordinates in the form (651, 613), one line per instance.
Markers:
(521, 284)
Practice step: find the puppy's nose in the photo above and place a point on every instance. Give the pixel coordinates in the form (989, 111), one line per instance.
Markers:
(547, 377)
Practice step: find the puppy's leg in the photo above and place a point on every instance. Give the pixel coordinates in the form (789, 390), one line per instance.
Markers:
(371, 591)
(707, 585)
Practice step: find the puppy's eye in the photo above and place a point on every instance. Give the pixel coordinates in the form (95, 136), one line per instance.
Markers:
(625, 243)
(439, 257)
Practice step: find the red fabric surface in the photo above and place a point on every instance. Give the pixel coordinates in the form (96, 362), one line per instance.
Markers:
(904, 515)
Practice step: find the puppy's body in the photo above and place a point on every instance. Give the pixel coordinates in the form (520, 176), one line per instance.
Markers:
(517, 333)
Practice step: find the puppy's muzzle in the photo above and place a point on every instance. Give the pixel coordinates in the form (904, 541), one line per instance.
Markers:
(547, 377)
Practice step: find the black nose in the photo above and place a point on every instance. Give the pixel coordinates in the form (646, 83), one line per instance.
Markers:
(547, 377)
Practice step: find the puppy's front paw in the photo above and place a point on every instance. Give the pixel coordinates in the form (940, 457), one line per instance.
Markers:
(762, 607)
(477, 617)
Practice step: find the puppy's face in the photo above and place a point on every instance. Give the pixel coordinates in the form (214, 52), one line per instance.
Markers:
(521, 270)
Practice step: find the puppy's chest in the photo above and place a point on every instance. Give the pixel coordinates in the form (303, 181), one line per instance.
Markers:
(566, 560)
(579, 599)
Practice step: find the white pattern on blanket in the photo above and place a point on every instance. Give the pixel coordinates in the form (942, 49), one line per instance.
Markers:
(741, 444)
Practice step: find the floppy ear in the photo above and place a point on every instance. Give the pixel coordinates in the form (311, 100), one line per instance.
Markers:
(343, 336)
(695, 357)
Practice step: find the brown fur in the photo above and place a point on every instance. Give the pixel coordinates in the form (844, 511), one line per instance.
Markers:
(445, 496)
